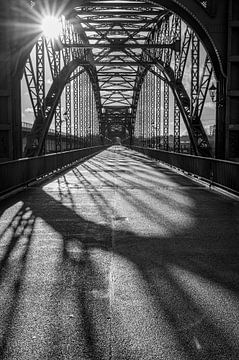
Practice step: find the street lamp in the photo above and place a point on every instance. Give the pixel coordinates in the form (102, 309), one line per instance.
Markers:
(215, 96)
(213, 92)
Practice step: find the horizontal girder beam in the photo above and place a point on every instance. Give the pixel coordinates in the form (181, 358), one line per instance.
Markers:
(96, 38)
(117, 90)
(124, 63)
(175, 46)
(121, 74)
(109, 5)
(118, 30)
(115, 21)
(117, 12)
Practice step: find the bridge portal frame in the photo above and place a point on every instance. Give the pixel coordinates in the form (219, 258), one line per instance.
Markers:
(15, 45)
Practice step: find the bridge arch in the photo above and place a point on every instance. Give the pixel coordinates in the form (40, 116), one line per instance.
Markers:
(177, 7)
(195, 17)
(36, 138)
(192, 14)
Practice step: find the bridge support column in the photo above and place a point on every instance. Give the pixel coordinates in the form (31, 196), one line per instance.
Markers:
(232, 123)
(220, 145)
(10, 95)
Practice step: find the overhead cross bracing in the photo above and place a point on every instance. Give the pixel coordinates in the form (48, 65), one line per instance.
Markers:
(125, 47)
(113, 27)
(138, 38)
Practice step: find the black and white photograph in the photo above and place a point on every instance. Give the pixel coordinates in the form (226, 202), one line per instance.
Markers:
(119, 180)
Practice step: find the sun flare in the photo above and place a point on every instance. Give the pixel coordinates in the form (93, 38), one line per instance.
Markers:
(51, 27)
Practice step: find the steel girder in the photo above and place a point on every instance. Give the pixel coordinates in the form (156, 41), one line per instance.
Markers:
(195, 129)
(29, 10)
(121, 47)
(167, 59)
(183, 106)
(58, 118)
(158, 111)
(195, 58)
(156, 35)
(81, 109)
(54, 58)
(203, 88)
(35, 141)
(68, 115)
(67, 55)
(31, 84)
(76, 110)
(36, 85)
(133, 57)
(105, 31)
(40, 75)
(166, 116)
(177, 35)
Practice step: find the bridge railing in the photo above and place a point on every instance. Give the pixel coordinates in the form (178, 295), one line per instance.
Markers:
(224, 174)
(18, 173)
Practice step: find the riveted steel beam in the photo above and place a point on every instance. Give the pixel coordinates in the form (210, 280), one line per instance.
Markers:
(176, 139)
(116, 12)
(109, 5)
(195, 58)
(30, 78)
(117, 33)
(118, 47)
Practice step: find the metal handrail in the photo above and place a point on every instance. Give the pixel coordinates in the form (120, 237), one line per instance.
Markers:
(18, 173)
(222, 173)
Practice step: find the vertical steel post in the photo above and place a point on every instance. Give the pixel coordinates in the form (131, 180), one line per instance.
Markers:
(68, 115)
(177, 57)
(147, 114)
(58, 118)
(167, 59)
(76, 109)
(67, 58)
(84, 98)
(40, 72)
(139, 107)
(93, 116)
(40, 78)
(158, 111)
(152, 109)
(81, 109)
(31, 84)
(89, 113)
(141, 118)
(144, 113)
(166, 116)
(195, 57)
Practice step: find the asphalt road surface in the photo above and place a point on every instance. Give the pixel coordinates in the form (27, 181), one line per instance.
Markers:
(119, 258)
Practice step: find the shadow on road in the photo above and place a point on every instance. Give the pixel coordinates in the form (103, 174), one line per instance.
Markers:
(189, 276)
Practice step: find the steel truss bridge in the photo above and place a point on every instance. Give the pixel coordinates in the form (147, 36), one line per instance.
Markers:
(138, 70)
(107, 57)
(119, 168)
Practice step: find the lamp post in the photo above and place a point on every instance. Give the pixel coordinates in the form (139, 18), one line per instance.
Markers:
(213, 92)
(215, 96)
(217, 93)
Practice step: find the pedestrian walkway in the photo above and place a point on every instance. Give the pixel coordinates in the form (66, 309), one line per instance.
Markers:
(119, 258)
